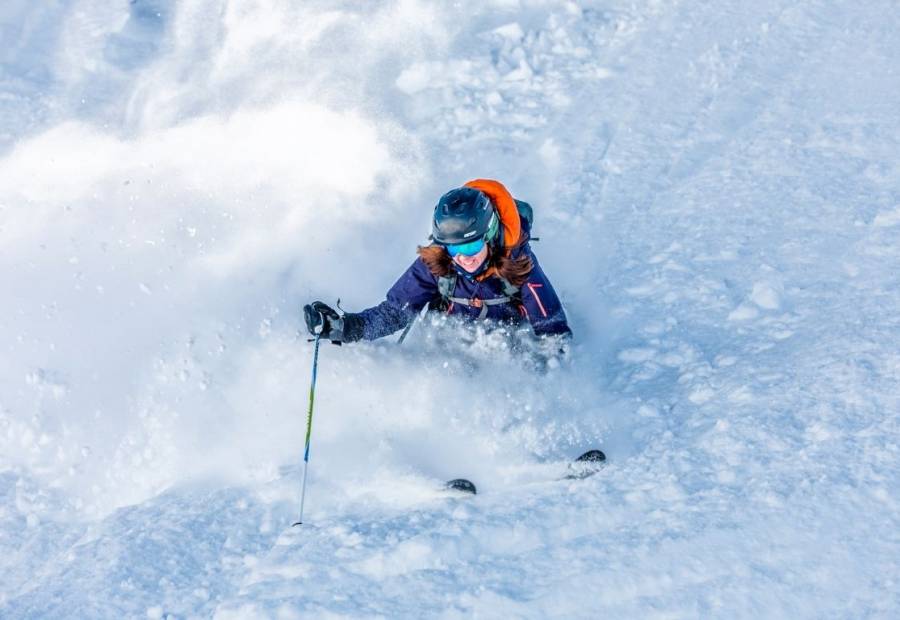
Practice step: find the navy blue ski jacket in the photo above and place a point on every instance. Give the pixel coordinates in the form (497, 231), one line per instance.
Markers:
(417, 287)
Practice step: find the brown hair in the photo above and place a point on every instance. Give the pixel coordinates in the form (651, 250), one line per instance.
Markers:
(515, 270)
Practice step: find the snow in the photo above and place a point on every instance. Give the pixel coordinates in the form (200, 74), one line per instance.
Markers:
(716, 192)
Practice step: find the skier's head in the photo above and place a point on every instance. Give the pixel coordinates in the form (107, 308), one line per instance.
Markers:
(465, 223)
(477, 232)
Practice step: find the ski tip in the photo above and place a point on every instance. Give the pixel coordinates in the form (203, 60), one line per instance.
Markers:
(463, 485)
(586, 465)
(297, 523)
(591, 456)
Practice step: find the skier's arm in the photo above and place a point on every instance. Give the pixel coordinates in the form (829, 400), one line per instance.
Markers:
(542, 306)
(412, 291)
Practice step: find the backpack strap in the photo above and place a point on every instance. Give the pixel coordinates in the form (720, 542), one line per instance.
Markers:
(447, 285)
(511, 290)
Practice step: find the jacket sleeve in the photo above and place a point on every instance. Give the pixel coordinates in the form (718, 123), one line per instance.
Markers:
(409, 294)
(541, 304)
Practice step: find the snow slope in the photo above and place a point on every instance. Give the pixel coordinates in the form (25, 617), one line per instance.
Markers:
(718, 196)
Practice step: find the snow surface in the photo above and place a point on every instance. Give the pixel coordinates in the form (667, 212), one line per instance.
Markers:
(717, 190)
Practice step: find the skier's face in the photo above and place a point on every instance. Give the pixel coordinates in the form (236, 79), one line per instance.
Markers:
(472, 263)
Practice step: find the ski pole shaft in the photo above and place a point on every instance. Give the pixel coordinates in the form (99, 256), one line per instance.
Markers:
(309, 416)
(410, 325)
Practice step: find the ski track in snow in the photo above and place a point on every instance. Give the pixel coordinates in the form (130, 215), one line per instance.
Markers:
(717, 192)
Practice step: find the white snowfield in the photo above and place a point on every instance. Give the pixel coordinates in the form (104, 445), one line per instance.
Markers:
(717, 192)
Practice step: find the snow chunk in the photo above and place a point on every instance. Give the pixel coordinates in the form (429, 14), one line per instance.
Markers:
(726, 477)
(424, 75)
(820, 432)
(494, 99)
(520, 73)
(673, 360)
(744, 312)
(415, 79)
(646, 411)
(701, 395)
(550, 153)
(637, 355)
(408, 556)
(512, 31)
(765, 295)
(643, 290)
(742, 394)
(886, 220)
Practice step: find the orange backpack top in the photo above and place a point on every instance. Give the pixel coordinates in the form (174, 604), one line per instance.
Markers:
(506, 209)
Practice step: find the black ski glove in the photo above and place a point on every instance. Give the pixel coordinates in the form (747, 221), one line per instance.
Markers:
(323, 320)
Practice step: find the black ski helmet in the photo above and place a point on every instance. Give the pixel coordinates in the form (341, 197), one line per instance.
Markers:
(463, 215)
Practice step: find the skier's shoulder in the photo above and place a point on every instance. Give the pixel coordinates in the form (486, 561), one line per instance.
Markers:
(420, 276)
(431, 263)
(522, 249)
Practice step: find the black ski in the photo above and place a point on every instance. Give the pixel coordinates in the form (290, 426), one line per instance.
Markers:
(586, 465)
(462, 485)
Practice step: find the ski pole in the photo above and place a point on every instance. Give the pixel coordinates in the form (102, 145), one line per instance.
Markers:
(409, 325)
(312, 398)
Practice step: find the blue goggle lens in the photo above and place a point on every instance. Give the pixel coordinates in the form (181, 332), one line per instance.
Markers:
(469, 249)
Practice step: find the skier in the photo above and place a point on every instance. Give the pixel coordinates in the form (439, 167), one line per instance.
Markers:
(479, 267)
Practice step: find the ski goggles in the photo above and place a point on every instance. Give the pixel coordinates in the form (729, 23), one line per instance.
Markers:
(467, 249)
